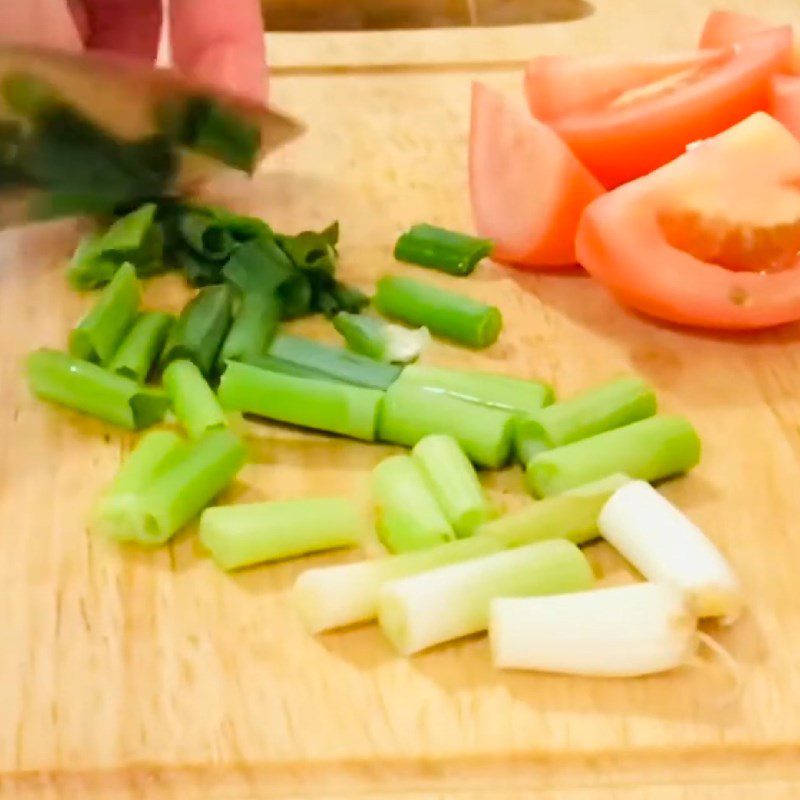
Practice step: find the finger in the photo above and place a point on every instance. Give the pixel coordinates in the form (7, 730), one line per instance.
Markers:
(41, 22)
(221, 44)
(128, 27)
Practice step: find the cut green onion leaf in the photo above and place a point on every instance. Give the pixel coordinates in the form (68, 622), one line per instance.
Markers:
(610, 406)
(134, 239)
(453, 481)
(198, 334)
(242, 535)
(412, 412)
(86, 387)
(448, 251)
(182, 487)
(142, 344)
(205, 234)
(322, 405)
(452, 316)
(312, 250)
(620, 632)
(253, 327)
(193, 402)
(485, 388)
(97, 336)
(571, 515)
(649, 450)
(346, 594)
(381, 340)
(453, 601)
(667, 547)
(407, 515)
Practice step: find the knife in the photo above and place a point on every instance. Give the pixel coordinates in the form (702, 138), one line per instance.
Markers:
(92, 133)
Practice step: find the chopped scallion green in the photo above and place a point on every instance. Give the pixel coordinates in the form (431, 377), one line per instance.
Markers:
(194, 403)
(448, 251)
(139, 350)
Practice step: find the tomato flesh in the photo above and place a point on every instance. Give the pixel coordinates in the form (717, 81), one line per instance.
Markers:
(785, 101)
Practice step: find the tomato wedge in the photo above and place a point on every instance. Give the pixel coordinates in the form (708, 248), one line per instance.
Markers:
(645, 128)
(528, 190)
(711, 239)
(785, 104)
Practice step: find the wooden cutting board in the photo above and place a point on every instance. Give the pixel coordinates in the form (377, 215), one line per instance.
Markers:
(128, 674)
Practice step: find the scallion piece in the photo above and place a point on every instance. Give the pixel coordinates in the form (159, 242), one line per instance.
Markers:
(322, 405)
(453, 601)
(452, 316)
(485, 388)
(254, 325)
(448, 251)
(142, 344)
(201, 327)
(381, 340)
(407, 514)
(97, 336)
(572, 515)
(412, 412)
(346, 594)
(182, 487)
(610, 406)
(453, 481)
(194, 403)
(242, 535)
(649, 450)
(88, 388)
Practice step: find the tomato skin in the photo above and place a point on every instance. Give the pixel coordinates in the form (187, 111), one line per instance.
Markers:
(785, 101)
(621, 143)
(528, 190)
(621, 243)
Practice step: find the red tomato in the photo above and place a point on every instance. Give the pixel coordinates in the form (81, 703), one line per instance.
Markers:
(785, 105)
(645, 128)
(711, 239)
(528, 190)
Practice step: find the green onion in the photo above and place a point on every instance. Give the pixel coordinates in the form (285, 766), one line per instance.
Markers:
(197, 336)
(444, 313)
(86, 387)
(97, 336)
(453, 601)
(453, 481)
(486, 388)
(193, 402)
(346, 594)
(142, 344)
(448, 251)
(572, 515)
(602, 409)
(412, 412)
(243, 535)
(381, 340)
(407, 515)
(254, 325)
(649, 450)
(333, 407)
(181, 488)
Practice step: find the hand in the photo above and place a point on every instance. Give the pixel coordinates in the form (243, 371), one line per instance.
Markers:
(217, 42)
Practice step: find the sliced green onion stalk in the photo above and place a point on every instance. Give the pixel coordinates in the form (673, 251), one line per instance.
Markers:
(610, 406)
(667, 547)
(97, 336)
(88, 388)
(412, 412)
(182, 487)
(448, 251)
(201, 327)
(141, 347)
(453, 601)
(571, 515)
(194, 403)
(407, 515)
(381, 340)
(242, 535)
(484, 388)
(648, 450)
(452, 316)
(254, 325)
(624, 631)
(454, 483)
(347, 594)
(322, 405)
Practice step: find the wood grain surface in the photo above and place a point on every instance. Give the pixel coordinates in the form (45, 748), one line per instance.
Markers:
(129, 674)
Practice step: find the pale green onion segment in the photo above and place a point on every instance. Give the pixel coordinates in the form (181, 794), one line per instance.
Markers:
(381, 340)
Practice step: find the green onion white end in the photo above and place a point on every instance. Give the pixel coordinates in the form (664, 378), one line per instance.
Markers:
(383, 341)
